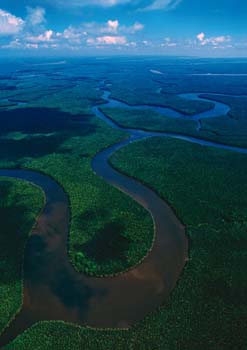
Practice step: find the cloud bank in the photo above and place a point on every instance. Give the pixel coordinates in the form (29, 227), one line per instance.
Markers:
(162, 4)
(10, 24)
(35, 15)
(138, 4)
(33, 32)
(215, 40)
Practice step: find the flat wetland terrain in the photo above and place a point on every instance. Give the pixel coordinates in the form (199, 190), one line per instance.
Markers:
(57, 120)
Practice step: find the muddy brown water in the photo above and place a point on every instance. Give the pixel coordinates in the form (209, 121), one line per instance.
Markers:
(53, 290)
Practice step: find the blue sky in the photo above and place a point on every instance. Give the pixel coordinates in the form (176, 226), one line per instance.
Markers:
(100, 27)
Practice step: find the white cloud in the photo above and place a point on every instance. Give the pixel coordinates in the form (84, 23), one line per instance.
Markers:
(13, 44)
(146, 43)
(72, 34)
(169, 43)
(136, 27)
(162, 5)
(44, 37)
(201, 36)
(107, 40)
(144, 5)
(83, 3)
(112, 26)
(32, 33)
(10, 24)
(220, 39)
(215, 40)
(132, 44)
(35, 15)
(31, 46)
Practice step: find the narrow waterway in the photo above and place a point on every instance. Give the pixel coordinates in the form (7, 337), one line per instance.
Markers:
(53, 290)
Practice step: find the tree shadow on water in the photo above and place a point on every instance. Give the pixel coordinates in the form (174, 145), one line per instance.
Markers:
(12, 239)
(73, 292)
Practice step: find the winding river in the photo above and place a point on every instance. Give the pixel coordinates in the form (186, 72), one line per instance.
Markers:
(53, 290)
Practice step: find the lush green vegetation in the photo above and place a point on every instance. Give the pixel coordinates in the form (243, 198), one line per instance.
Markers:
(194, 82)
(63, 336)
(57, 134)
(208, 308)
(20, 204)
(231, 129)
(139, 93)
(106, 234)
(151, 121)
(207, 188)
(83, 94)
(137, 85)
